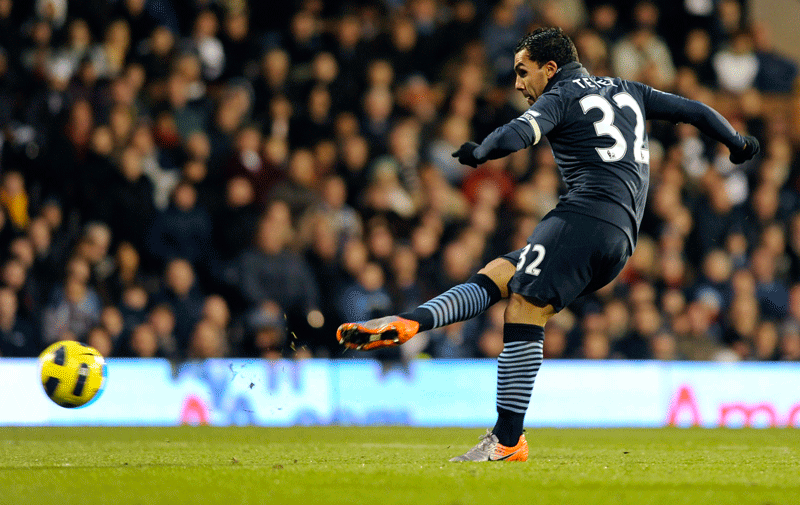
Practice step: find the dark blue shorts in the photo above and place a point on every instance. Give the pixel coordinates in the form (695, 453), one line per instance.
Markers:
(568, 255)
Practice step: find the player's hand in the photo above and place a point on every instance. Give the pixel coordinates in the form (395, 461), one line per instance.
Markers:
(751, 148)
(466, 156)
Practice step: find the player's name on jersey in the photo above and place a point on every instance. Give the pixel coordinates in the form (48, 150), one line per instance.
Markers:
(593, 82)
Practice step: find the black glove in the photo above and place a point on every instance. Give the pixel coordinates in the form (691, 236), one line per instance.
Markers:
(751, 148)
(465, 154)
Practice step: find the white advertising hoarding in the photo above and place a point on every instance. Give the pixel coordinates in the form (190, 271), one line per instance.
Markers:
(423, 393)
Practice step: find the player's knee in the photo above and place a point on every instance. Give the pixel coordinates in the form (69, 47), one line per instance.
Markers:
(526, 311)
(500, 271)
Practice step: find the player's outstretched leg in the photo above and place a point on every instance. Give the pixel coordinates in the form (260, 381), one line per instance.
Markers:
(459, 303)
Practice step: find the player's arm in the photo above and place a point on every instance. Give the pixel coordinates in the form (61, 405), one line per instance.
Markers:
(677, 109)
(518, 134)
(501, 142)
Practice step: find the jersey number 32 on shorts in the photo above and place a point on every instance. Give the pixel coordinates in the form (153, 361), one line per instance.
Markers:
(538, 250)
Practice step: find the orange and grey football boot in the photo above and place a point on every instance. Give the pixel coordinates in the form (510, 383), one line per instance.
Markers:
(381, 332)
(490, 449)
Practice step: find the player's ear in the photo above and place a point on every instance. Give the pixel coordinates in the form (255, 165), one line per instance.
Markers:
(550, 68)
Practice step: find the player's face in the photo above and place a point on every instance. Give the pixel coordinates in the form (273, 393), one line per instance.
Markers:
(532, 78)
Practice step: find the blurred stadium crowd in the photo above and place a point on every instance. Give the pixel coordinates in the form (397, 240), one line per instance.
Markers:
(204, 178)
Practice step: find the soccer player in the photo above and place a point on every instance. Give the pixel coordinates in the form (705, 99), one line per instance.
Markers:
(596, 130)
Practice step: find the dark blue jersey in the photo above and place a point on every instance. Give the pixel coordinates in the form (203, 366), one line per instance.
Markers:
(596, 129)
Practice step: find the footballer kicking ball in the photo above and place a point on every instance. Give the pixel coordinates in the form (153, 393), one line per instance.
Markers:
(73, 374)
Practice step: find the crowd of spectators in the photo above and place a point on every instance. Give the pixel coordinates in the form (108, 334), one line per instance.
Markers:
(205, 178)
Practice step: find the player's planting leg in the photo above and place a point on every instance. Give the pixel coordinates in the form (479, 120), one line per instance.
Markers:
(459, 303)
(517, 367)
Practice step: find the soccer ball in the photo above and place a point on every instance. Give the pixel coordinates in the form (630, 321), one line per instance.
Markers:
(73, 374)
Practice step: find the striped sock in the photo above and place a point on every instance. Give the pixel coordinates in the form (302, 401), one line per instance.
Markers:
(459, 303)
(517, 367)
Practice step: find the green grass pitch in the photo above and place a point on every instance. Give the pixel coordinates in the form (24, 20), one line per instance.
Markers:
(394, 465)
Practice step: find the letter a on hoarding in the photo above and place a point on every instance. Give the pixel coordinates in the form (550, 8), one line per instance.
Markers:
(194, 411)
(683, 400)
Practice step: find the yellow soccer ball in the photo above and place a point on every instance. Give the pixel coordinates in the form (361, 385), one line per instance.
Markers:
(73, 374)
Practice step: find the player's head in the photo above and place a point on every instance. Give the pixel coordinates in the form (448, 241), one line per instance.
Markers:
(537, 58)
(548, 44)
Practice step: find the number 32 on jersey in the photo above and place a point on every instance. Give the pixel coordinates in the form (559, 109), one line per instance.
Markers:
(605, 127)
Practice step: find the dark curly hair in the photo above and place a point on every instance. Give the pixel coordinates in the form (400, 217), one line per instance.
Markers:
(545, 44)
